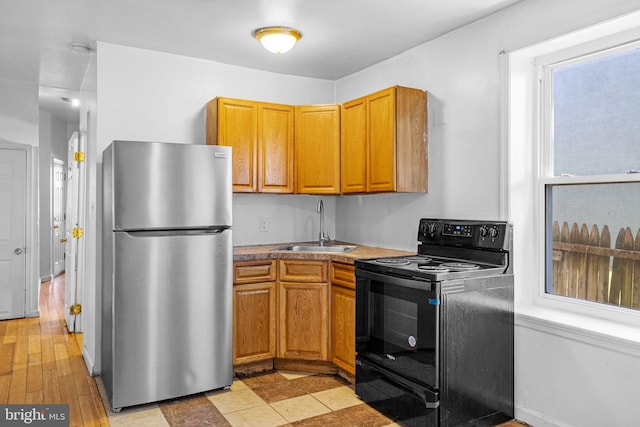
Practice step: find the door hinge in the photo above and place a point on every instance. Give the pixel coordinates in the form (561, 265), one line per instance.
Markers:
(75, 309)
(77, 232)
(78, 156)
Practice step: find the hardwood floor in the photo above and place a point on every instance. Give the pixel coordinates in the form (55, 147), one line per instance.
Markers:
(41, 363)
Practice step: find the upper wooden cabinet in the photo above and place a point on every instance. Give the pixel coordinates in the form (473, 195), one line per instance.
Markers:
(275, 148)
(234, 123)
(318, 149)
(354, 146)
(261, 135)
(373, 144)
(384, 142)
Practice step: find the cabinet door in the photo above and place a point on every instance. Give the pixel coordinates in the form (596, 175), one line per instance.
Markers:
(411, 140)
(237, 128)
(318, 149)
(254, 322)
(275, 148)
(381, 134)
(343, 316)
(304, 309)
(343, 328)
(353, 146)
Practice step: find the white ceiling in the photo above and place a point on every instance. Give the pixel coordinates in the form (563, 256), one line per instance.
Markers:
(339, 37)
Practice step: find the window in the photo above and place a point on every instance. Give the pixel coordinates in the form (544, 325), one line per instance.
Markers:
(590, 180)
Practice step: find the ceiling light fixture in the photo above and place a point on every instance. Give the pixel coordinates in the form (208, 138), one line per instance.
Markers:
(277, 39)
(75, 102)
(80, 48)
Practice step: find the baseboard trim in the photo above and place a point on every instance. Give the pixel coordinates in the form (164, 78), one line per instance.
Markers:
(537, 419)
(89, 362)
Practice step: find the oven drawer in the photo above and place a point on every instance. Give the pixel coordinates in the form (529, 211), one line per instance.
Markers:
(396, 397)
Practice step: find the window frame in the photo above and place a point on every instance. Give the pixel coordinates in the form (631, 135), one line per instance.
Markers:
(545, 180)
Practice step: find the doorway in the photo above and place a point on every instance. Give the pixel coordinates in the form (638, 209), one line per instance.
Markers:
(58, 212)
(13, 238)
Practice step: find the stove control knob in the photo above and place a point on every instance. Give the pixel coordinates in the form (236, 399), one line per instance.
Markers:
(484, 231)
(493, 232)
(432, 228)
(424, 228)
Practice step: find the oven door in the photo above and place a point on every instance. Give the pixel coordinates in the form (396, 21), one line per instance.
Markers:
(397, 330)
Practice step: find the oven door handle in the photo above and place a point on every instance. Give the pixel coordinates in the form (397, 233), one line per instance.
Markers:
(430, 398)
(415, 283)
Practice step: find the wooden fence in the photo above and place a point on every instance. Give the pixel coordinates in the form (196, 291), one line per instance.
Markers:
(586, 267)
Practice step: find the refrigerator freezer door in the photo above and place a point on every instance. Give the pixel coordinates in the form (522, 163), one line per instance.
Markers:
(158, 185)
(171, 306)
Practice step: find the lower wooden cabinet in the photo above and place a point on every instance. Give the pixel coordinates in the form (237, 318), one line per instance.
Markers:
(303, 310)
(304, 314)
(343, 317)
(295, 310)
(254, 311)
(254, 332)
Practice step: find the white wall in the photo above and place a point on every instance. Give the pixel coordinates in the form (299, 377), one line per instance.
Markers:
(19, 127)
(561, 373)
(19, 112)
(460, 73)
(152, 96)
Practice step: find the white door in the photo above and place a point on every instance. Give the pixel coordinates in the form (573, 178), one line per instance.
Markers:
(13, 285)
(75, 186)
(58, 211)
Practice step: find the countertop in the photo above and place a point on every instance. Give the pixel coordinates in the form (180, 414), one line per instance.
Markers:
(260, 252)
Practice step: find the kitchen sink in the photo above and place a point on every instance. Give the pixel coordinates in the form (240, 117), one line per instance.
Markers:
(317, 248)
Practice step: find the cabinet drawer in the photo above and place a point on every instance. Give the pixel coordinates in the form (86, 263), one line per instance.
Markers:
(254, 271)
(343, 275)
(303, 271)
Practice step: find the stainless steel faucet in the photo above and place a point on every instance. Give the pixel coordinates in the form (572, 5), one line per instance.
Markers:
(322, 236)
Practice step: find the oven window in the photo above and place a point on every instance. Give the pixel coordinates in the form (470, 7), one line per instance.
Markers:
(400, 330)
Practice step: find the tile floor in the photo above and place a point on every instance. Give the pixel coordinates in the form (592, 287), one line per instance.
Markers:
(273, 399)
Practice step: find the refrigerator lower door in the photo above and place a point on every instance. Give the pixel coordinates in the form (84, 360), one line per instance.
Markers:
(170, 323)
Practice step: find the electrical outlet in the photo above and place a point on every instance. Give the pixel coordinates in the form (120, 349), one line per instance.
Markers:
(264, 225)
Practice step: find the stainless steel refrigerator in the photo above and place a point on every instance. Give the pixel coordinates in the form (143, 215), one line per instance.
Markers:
(167, 271)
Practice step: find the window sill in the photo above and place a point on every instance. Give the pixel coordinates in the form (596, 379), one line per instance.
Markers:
(593, 331)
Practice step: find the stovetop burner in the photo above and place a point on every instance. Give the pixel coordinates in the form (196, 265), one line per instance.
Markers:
(433, 268)
(404, 260)
(460, 266)
(418, 258)
(393, 261)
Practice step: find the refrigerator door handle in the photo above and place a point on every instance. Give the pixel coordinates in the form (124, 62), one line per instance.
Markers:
(179, 232)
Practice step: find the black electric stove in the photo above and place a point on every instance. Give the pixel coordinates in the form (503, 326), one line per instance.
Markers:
(434, 330)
